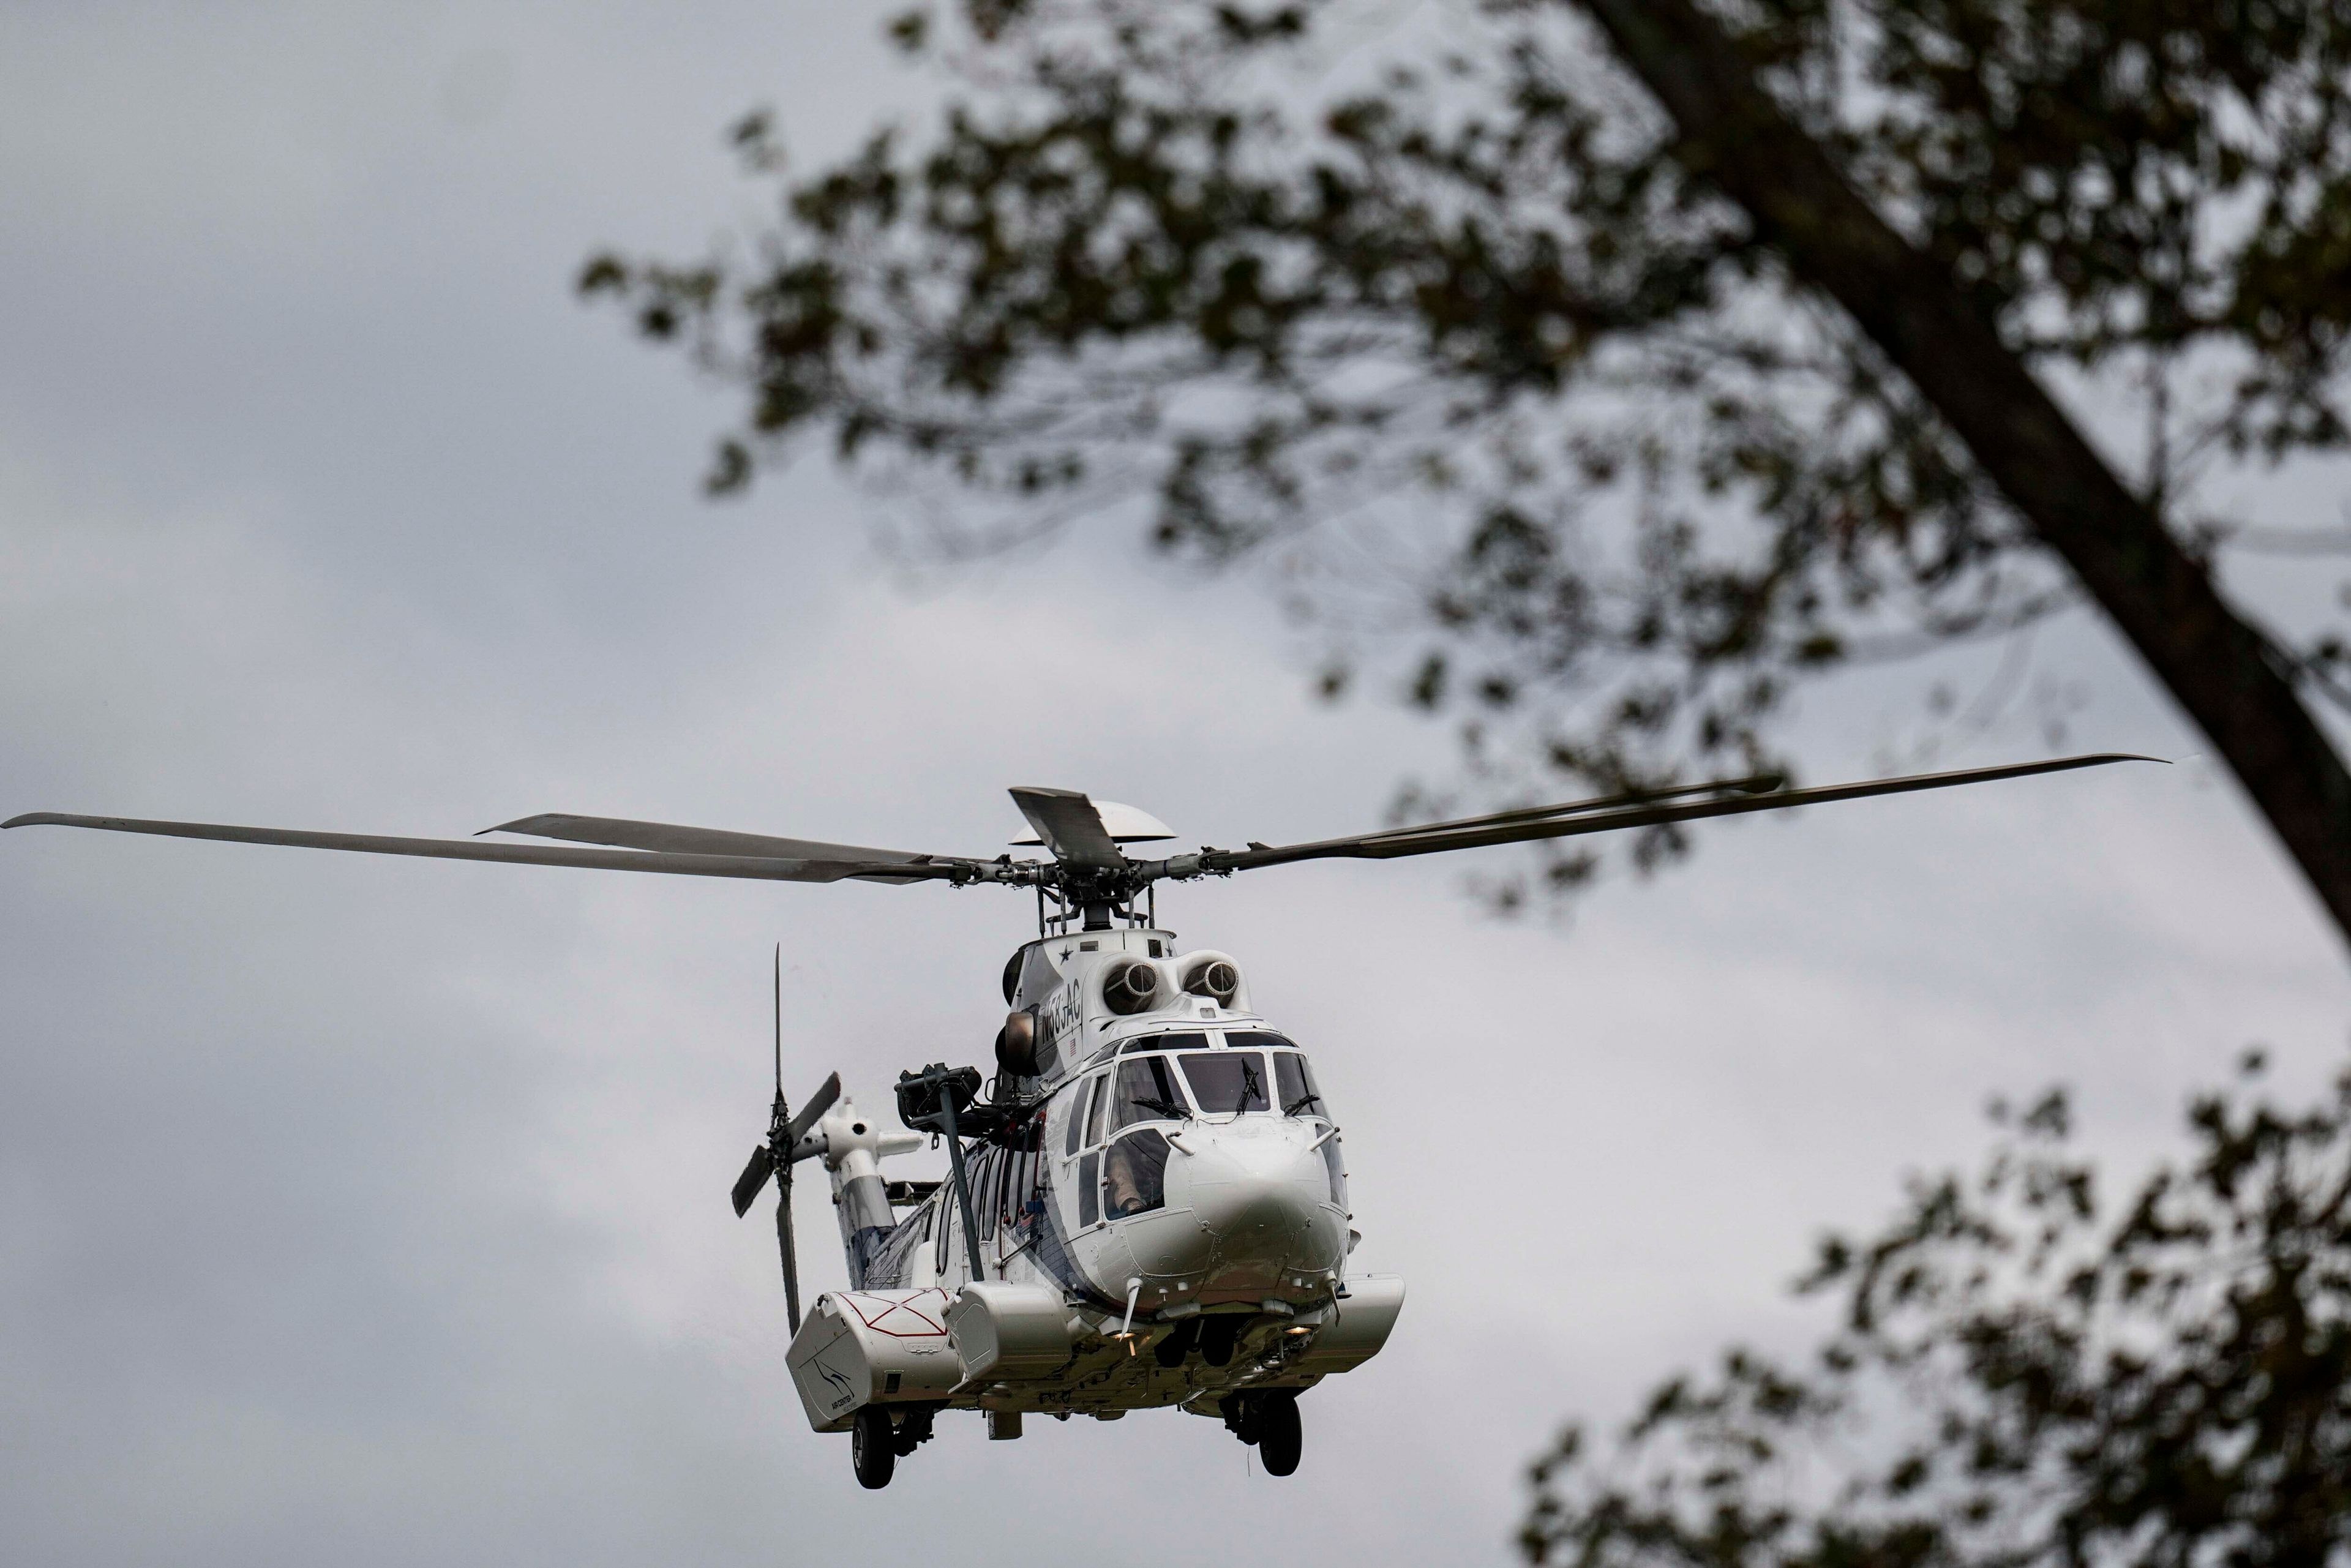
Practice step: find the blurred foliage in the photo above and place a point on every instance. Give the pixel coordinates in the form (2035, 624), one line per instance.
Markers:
(1417, 306)
(2026, 1375)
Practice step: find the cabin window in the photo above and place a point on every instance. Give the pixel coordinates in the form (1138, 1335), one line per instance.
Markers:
(1089, 1191)
(1147, 1092)
(1135, 1174)
(1293, 1083)
(1225, 1083)
(984, 1191)
(1020, 1189)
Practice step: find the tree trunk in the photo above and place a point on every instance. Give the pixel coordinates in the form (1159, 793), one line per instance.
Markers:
(2219, 668)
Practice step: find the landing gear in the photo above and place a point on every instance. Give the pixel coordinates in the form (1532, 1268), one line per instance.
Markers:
(914, 1430)
(1218, 1335)
(1171, 1351)
(1267, 1419)
(1279, 1435)
(876, 1444)
(873, 1447)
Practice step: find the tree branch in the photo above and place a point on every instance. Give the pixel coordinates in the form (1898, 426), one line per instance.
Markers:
(2216, 665)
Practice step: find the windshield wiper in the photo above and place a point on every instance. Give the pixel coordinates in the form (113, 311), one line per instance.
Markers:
(1172, 1113)
(1303, 1101)
(1252, 1088)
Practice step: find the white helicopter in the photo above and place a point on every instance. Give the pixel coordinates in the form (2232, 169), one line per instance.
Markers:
(1149, 1206)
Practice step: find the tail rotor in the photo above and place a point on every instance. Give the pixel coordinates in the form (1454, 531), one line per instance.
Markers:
(776, 1156)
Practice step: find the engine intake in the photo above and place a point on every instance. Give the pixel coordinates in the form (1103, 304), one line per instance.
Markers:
(1132, 986)
(1218, 979)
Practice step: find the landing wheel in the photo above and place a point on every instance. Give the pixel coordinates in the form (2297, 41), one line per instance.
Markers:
(874, 1448)
(1279, 1438)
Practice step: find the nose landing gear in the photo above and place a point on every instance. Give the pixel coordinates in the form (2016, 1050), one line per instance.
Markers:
(1268, 1420)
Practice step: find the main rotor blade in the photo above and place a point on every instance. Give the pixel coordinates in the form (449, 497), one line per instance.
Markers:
(753, 868)
(1754, 784)
(1069, 826)
(1574, 819)
(670, 838)
(810, 1113)
(755, 1175)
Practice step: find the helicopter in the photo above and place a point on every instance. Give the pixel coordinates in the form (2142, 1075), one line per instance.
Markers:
(1145, 1204)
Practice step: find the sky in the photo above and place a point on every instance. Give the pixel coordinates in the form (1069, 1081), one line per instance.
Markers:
(374, 1210)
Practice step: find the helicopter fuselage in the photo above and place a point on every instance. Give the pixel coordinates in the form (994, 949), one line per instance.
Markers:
(1159, 1212)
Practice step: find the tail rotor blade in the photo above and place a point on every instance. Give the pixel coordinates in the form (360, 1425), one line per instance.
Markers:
(774, 1157)
(784, 1247)
(818, 1105)
(754, 1177)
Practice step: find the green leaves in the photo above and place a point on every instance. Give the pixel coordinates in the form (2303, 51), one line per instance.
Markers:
(1358, 333)
(2021, 1380)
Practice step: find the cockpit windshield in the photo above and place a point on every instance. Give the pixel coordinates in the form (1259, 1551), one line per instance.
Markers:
(1295, 1083)
(1227, 1083)
(1146, 1091)
(1295, 1093)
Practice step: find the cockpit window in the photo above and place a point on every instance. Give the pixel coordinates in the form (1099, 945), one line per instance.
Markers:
(1146, 1091)
(1135, 1174)
(1078, 1115)
(1100, 1104)
(1225, 1083)
(1257, 1040)
(1194, 1041)
(1294, 1082)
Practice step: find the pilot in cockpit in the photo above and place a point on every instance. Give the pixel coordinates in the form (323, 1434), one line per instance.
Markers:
(1121, 1185)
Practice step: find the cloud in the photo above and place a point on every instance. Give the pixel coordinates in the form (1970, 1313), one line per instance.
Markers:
(375, 1210)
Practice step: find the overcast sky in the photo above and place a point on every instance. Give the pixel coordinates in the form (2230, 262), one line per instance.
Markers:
(366, 1210)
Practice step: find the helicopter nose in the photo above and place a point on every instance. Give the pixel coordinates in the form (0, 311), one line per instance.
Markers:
(1259, 1189)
